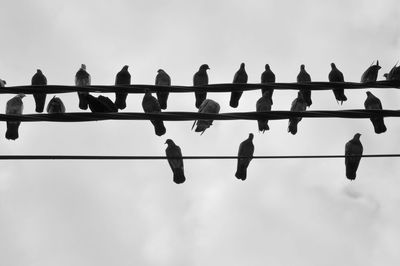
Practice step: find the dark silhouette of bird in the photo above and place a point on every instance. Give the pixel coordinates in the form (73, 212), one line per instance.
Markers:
(14, 106)
(174, 156)
(123, 78)
(151, 105)
(303, 76)
(101, 104)
(163, 79)
(394, 73)
(298, 105)
(240, 77)
(246, 149)
(208, 106)
(2, 83)
(200, 78)
(263, 105)
(82, 79)
(354, 149)
(40, 98)
(337, 76)
(268, 77)
(55, 106)
(371, 74)
(373, 103)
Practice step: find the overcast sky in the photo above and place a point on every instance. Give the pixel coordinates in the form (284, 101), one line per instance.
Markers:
(288, 212)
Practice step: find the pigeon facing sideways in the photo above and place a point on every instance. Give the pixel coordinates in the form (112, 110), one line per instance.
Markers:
(123, 78)
(353, 148)
(200, 78)
(263, 105)
(371, 74)
(82, 79)
(14, 106)
(337, 76)
(298, 105)
(40, 98)
(56, 106)
(208, 106)
(150, 105)
(162, 79)
(174, 156)
(101, 104)
(268, 77)
(246, 149)
(2, 83)
(303, 76)
(373, 103)
(240, 77)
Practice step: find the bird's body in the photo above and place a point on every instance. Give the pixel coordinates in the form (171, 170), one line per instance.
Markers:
(268, 77)
(174, 156)
(240, 77)
(337, 76)
(40, 98)
(371, 74)
(163, 79)
(55, 106)
(373, 103)
(246, 149)
(303, 76)
(82, 79)
(200, 78)
(208, 106)
(2, 83)
(298, 105)
(354, 149)
(263, 105)
(123, 78)
(14, 106)
(101, 104)
(151, 105)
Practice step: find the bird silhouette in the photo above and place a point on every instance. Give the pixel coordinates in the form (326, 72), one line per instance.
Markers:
(353, 153)
(371, 74)
(174, 156)
(55, 106)
(268, 77)
(240, 77)
(82, 79)
(40, 98)
(208, 106)
(101, 104)
(394, 73)
(303, 76)
(162, 79)
(151, 105)
(246, 149)
(263, 105)
(14, 106)
(2, 83)
(373, 103)
(337, 76)
(200, 78)
(298, 105)
(123, 78)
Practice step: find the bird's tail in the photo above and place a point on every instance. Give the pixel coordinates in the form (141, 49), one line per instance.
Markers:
(159, 127)
(179, 176)
(263, 125)
(83, 103)
(202, 125)
(162, 99)
(379, 125)
(200, 97)
(235, 97)
(12, 130)
(350, 173)
(40, 99)
(241, 173)
(292, 128)
(120, 100)
(339, 95)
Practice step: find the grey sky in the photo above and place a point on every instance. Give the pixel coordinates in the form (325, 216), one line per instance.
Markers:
(288, 212)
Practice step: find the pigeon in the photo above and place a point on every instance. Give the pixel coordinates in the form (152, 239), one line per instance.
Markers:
(208, 106)
(354, 148)
(200, 78)
(82, 79)
(40, 98)
(240, 77)
(373, 103)
(268, 77)
(174, 156)
(2, 83)
(101, 104)
(298, 105)
(123, 78)
(162, 79)
(336, 76)
(56, 106)
(246, 149)
(263, 105)
(371, 74)
(14, 106)
(303, 76)
(394, 73)
(151, 105)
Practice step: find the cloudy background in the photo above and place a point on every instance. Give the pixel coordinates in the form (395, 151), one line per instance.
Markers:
(288, 212)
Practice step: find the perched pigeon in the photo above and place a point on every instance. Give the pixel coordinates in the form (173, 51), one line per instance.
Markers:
(373, 103)
(200, 78)
(163, 79)
(40, 98)
(208, 106)
(101, 104)
(123, 78)
(371, 74)
(56, 106)
(150, 105)
(2, 83)
(82, 79)
(175, 161)
(355, 148)
(246, 149)
(336, 76)
(263, 105)
(268, 77)
(240, 77)
(303, 76)
(14, 106)
(298, 105)
(394, 73)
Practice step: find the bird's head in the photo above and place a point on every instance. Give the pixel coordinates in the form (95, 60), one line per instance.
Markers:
(266, 94)
(83, 66)
(251, 136)
(160, 71)
(169, 142)
(302, 67)
(267, 67)
(368, 93)
(333, 65)
(242, 65)
(125, 68)
(21, 95)
(39, 71)
(357, 136)
(386, 75)
(204, 67)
